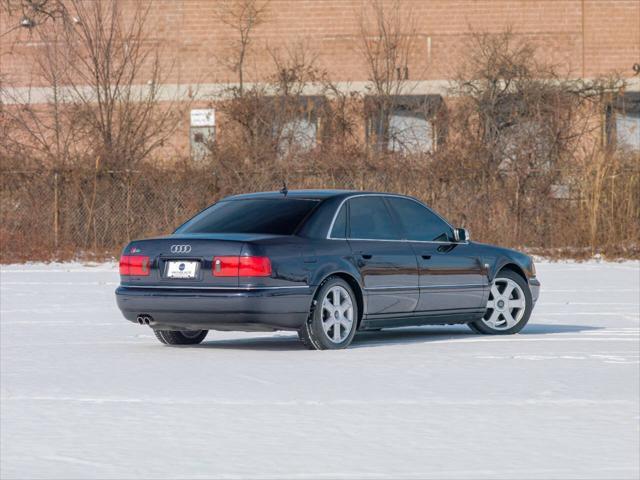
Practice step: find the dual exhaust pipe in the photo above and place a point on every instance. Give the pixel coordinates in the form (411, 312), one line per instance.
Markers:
(144, 319)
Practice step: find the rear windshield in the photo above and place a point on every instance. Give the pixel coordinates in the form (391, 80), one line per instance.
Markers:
(277, 216)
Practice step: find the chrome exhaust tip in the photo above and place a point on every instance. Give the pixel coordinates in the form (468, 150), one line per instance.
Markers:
(144, 319)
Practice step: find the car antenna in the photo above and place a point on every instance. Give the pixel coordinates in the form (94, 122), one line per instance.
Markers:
(284, 189)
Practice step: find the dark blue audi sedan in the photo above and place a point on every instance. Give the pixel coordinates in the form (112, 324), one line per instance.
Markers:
(323, 263)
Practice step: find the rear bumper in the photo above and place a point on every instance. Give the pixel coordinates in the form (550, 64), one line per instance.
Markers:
(214, 309)
(534, 285)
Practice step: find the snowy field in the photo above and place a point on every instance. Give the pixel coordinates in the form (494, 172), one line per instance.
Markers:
(86, 394)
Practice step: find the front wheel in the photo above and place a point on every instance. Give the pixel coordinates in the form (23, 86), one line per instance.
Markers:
(333, 320)
(508, 308)
(181, 337)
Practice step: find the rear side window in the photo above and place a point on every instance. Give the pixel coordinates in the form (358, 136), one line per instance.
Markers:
(369, 219)
(339, 229)
(281, 216)
(418, 222)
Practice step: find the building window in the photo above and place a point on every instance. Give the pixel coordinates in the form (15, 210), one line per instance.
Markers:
(627, 127)
(623, 122)
(525, 142)
(410, 132)
(296, 124)
(297, 135)
(405, 124)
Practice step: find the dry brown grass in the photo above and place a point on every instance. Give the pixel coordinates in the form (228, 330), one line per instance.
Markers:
(99, 211)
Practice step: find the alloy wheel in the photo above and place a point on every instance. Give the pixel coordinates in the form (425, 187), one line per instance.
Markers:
(506, 306)
(337, 314)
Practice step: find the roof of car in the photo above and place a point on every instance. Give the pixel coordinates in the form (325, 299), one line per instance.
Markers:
(306, 194)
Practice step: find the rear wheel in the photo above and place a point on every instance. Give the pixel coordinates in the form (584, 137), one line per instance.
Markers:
(332, 323)
(508, 308)
(181, 337)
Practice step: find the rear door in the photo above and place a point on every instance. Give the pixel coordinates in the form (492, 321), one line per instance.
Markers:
(388, 266)
(451, 274)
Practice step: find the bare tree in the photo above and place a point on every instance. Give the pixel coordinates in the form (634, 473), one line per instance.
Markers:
(105, 76)
(386, 42)
(103, 106)
(243, 17)
(115, 78)
(44, 130)
(33, 12)
(40, 132)
(296, 115)
(274, 118)
(521, 124)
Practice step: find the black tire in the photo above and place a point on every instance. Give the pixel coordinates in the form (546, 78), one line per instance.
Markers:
(176, 337)
(312, 333)
(473, 328)
(479, 326)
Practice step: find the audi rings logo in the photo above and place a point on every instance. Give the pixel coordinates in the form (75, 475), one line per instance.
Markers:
(180, 248)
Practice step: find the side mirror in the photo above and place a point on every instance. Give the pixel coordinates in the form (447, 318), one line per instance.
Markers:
(460, 234)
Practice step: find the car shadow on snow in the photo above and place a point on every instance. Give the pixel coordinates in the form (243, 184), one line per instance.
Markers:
(452, 332)
(278, 342)
(405, 335)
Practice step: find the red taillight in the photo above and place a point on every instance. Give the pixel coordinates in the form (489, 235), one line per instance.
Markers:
(241, 267)
(225, 266)
(134, 265)
(254, 267)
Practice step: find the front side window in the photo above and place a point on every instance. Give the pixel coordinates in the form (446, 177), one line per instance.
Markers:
(369, 219)
(418, 222)
(276, 216)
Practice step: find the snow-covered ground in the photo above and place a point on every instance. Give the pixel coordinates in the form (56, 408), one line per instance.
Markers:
(86, 394)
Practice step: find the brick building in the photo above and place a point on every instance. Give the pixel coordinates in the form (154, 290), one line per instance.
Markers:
(587, 38)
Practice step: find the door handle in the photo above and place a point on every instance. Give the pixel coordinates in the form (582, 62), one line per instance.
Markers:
(426, 256)
(366, 256)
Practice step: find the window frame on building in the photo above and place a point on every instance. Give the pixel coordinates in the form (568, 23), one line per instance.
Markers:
(379, 111)
(626, 105)
(308, 108)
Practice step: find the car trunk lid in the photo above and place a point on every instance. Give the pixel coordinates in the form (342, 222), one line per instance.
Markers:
(173, 258)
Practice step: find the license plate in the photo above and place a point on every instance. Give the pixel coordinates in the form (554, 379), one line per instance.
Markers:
(182, 269)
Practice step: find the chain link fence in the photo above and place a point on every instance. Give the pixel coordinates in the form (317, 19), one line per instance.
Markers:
(69, 213)
(84, 213)
(76, 212)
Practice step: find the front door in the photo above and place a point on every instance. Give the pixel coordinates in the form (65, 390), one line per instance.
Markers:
(388, 266)
(451, 276)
